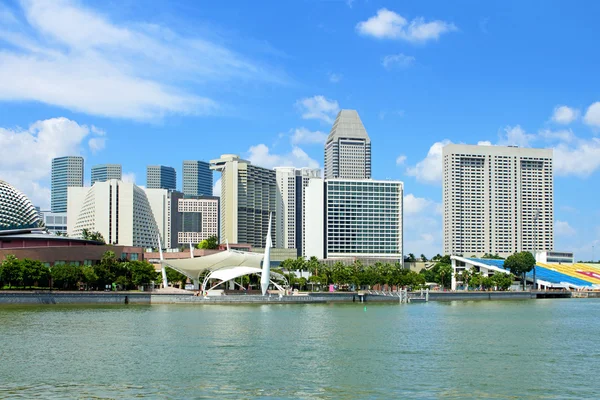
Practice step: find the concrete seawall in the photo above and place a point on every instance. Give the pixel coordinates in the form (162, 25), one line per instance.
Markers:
(53, 297)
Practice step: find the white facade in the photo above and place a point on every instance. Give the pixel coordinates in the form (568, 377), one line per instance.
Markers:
(164, 205)
(348, 148)
(497, 200)
(291, 206)
(361, 218)
(120, 211)
(200, 218)
(55, 222)
(248, 197)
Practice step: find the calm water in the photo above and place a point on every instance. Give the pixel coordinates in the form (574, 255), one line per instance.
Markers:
(509, 349)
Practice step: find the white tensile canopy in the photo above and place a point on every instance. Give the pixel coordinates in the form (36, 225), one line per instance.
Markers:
(194, 267)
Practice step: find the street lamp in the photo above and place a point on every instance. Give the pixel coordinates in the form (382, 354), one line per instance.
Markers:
(535, 232)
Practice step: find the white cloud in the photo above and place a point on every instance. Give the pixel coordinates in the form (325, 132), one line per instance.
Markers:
(217, 188)
(96, 144)
(415, 205)
(484, 143)
(397, 60)
(128, 177)
(390, 25)
(303, 135)
(581, 159)
(429, 170)
(564, 115)
(27, 154)
(566, 136)
(562, 228)
(515, 136)
(318, 107)
(80, 60)
(592, 115)
(335, 78)
(400, 160)
(261, 155)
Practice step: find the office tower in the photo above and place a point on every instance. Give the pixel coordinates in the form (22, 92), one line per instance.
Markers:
(55, 222)
(120, 211)
(106, 172)
(200, 219)
(164, 204)
(354, 218)
(291, 206)
(197, 178)
(66, 172)
(161, 177)
(497, 200)
(348, 148)
(248, 197)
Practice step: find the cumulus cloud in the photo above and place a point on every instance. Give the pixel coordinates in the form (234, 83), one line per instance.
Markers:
(318, 107)
(261, 155)
(415, 205)
(562, 228)
(400, 160)
(96, 144)
(429, 170)
(217, 188)
(306, 136)
(390, 25)
(71, 56)
(335, 78)
(592, 115)
(397, 60)
(128, 177)
(515, 136)
(579, 159)
(564, 115)
(27, 154)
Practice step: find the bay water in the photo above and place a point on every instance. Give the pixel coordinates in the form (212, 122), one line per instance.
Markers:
(476, 349)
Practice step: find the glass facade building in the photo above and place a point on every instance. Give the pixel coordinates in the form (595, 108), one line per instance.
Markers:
(66, 172)
(106, 172)
(161, 177)
(197, 178)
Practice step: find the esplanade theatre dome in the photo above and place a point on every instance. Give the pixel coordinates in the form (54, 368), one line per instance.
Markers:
(16, 210)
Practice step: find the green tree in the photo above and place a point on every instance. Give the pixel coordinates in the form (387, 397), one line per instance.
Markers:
(34, 272)
(492, 256)
(89, 276)
(212, 243)
(11, 270)
(411, 258)
(91, 235)
(519, 264)
(65, 276)
(313, 265)
(445, 274)
(502, 281)
(142, 273)
(423, 257)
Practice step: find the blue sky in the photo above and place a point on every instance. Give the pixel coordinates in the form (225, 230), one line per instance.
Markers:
(149, 82)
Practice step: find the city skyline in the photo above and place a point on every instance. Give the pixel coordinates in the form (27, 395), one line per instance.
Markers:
(412, 92)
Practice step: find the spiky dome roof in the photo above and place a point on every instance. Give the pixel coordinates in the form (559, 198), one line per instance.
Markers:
(16, 210)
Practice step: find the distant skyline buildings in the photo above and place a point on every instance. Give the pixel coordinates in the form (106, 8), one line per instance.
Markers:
(161, 177)
(197, 178)
(348, 148)
(106, 172)
(66, 172)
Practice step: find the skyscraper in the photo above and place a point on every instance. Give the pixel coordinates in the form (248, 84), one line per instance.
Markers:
(164, 205)
(197, 178)
(497, 200)
(66, 172)
(248, 196)
(161, 177)
(354, 218)
(291, 206)
(106, 172)
(348, 148)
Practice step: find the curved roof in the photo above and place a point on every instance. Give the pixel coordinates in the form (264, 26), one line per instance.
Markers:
(16, 210)
(193, 267)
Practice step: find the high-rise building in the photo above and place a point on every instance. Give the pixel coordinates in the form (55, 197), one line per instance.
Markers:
(248, 197)
(66, 172)
(200, 219)
(348, 148)
(497, 200)
(164, 205)
(106, 172)
(291, 206)
(354, 218)
(161, 177)
(197, 178)
(55, 222)
(120, 211)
